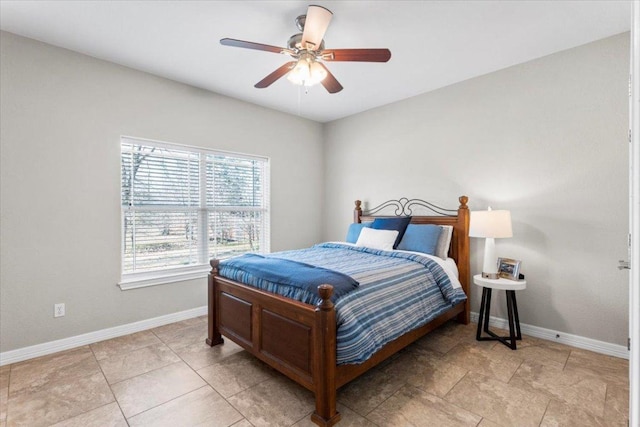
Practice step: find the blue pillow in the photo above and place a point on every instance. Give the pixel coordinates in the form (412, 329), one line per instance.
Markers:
(354, 231)
(421, 238)
(399, 224)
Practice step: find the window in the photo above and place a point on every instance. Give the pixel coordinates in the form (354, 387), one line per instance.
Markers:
(182, 206)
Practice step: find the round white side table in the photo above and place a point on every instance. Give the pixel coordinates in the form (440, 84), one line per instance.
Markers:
(512, 309)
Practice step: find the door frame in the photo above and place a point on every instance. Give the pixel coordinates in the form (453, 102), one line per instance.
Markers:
(634, 218)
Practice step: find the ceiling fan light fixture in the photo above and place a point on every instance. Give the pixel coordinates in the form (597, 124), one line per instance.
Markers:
(307, 72)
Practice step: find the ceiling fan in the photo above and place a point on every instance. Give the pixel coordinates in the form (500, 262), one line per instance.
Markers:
(308, 50)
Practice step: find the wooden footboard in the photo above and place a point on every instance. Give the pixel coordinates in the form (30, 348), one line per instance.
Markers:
(297, 339)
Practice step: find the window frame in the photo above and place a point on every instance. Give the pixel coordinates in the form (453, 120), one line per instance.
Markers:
(172, 274)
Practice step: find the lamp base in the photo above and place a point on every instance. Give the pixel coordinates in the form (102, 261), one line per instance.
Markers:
(490, 265)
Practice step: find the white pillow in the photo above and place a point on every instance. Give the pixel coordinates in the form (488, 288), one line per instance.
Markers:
(444, 241)
(377, 239)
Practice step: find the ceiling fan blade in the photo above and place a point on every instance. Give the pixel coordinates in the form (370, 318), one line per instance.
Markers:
(362, 55)
(267, 81)
(329, 82)
(252, 45)
(315, 26)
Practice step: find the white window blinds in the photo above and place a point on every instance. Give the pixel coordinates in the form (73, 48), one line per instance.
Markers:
(183, 205)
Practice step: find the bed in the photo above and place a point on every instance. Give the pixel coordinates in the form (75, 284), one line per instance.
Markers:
(299, 339)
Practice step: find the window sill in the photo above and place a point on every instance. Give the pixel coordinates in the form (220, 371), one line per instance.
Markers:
(143, 280)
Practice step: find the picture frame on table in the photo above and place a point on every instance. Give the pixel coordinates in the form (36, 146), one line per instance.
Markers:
(509, 268)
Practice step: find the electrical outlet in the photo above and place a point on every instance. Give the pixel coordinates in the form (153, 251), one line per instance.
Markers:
(58, 310)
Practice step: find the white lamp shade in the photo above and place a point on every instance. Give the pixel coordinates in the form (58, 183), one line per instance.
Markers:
(495, 224)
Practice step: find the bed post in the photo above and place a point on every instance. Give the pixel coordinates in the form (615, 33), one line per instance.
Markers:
(463, 257)
(325, 360)
(213, 334)
(357, 212)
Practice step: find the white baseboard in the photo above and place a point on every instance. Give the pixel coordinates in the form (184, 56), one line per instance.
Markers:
(561, 337)
(43, 349)
(38, 350)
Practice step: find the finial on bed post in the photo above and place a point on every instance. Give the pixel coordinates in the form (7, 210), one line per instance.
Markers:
(357, 212)
(325, 292)
(214, 266)
(463, 202)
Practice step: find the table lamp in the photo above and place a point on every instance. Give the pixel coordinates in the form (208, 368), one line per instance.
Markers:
(490, 225)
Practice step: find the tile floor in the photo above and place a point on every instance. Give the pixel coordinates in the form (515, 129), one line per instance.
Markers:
(168, 377)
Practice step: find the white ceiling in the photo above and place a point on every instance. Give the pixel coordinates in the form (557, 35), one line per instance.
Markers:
(433, 43)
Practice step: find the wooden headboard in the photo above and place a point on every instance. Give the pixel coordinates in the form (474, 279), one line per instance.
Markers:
(458, 218)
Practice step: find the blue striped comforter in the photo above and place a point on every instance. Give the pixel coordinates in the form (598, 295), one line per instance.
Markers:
(398, 292)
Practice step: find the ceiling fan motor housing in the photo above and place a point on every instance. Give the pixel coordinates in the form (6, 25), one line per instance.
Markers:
(295, 43)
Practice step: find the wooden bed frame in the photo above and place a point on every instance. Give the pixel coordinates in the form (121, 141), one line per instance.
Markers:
(299, 340)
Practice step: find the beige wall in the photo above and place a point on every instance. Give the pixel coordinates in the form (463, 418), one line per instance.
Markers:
(62, 117)
(547, 140)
